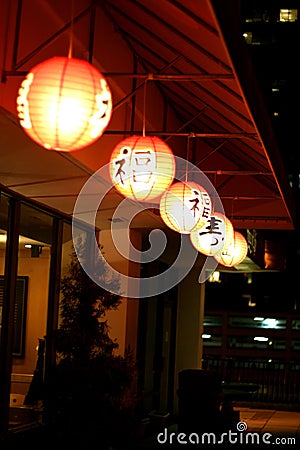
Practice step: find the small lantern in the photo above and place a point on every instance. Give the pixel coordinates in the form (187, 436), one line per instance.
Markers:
(235, 253)
(185, 206)
(64, 104)
(142, 167)
(210, 238)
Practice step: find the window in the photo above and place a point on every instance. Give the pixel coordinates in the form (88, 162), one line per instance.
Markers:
(212, 321)
(257, 322)
(19, 319)
(211, 341)
(288, 15)
(295, 324)
(295, 345)
(257, 14)
(257, 342)
(248, 37)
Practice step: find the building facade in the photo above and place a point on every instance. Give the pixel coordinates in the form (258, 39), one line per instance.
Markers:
(183, 76)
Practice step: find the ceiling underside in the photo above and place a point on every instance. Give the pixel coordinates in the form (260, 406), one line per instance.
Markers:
(195, 55)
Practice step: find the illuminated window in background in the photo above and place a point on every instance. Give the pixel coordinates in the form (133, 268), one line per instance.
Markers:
(294, 180)
(253, 38)
(296, 324)
(213, 321)
(258, 15)
(248, 37)
(257, 342)
(211, 341)
(288, 15)
(214, 277)
(257, 322)
(260, 339)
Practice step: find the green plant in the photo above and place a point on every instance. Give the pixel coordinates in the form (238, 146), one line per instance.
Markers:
(91, 390)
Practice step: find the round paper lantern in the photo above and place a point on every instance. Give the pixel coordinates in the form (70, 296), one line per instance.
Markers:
(210, 238)
(184, 206)
(142, 167)
(64, 104)
(235, 253)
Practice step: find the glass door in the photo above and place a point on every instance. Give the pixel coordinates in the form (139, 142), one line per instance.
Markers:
(30, 315)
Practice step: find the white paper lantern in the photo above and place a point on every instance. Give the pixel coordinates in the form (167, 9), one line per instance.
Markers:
(235, 253)
(184, 206)
(142, 167)
(210, 238)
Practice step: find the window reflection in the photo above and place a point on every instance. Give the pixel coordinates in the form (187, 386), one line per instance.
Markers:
(3, 238)
(34, 254)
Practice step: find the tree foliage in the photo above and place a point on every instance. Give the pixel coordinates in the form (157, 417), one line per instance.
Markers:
(92, 388)
(83, 332)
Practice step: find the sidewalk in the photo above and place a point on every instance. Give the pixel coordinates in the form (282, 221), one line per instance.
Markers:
(262, 426)
(279, 427)
(271, 421)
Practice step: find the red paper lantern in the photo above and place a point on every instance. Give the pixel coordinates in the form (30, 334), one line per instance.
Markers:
(211, 238)
(64, 104)
(185, 206)
(142, 167)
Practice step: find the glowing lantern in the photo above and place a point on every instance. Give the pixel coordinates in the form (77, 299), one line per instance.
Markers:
(64, 104)
(235, 253)
(185, 206)
(142, 167)
(210, 239)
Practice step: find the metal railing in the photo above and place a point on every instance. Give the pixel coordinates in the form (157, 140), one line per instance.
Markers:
(277, 381)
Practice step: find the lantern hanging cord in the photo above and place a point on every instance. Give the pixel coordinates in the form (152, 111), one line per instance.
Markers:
(214, 194)
(144, 108)
(187, 158)
(232, 204)
(71, 30)
(6, 31)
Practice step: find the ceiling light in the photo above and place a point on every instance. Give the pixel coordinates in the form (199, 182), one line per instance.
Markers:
(261, 339)
(269, 323)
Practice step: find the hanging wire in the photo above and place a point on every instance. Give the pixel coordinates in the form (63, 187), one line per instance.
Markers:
(187, 158)
(6, 32)
(232, 202)
(144, 108)
(213, 200)
(71, 30)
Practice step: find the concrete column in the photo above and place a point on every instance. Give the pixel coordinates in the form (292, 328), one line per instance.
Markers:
(190, 315)
(123, 322)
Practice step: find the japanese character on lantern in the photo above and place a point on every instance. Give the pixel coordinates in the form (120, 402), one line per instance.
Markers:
(211, 238)
(184, 206)
(142, 167)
